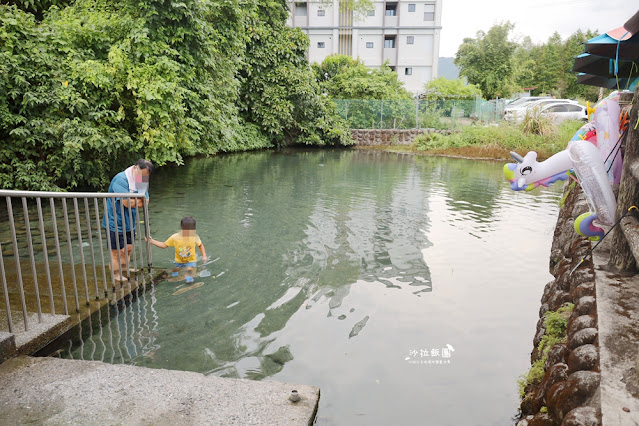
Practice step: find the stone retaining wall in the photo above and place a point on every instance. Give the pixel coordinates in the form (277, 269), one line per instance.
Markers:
(570, 388)
(386, 137)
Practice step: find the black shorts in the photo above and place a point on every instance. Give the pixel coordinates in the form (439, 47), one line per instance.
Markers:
(120, 239)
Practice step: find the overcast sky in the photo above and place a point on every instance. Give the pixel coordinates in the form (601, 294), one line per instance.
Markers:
(538, 19)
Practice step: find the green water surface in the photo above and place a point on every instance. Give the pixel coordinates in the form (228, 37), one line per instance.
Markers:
(405, 287)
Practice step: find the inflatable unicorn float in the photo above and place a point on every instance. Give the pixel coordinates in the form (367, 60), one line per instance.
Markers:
(595, 158)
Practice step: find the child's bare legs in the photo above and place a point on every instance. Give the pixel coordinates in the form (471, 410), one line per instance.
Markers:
(189, 274)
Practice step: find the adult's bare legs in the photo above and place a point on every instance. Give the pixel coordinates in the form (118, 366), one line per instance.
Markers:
(117, 267)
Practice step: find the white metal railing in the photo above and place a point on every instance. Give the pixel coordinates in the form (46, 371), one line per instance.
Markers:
(88, 224)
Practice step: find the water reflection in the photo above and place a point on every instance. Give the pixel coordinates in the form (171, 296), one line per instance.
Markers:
(124, 332)
(329, 266)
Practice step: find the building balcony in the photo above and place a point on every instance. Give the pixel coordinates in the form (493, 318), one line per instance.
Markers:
(390, 54)
(390, 21)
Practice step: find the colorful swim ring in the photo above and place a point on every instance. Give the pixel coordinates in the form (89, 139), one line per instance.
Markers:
(584, 226)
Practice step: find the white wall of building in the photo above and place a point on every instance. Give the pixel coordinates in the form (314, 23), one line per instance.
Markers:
(316, 53)
(371, 56)
(420, 20)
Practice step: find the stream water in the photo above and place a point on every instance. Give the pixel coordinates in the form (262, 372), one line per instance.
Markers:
(405, 287)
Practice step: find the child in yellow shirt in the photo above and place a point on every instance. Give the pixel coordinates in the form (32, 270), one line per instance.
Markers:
(184, 243)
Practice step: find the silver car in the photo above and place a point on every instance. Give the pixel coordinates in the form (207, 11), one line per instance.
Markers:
(516, 115)
(564, 111)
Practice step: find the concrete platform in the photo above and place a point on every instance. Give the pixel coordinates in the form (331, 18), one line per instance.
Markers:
(50, 328)
(7, 346)
(58, 391)
(618, 316)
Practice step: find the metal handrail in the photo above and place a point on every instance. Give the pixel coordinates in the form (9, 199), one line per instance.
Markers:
(47, 194)
(83, 238)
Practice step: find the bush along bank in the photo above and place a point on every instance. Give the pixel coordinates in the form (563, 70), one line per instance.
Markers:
(489, 142)
(511, 137)
(562, 387)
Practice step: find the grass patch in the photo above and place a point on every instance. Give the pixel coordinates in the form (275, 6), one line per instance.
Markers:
(537, 124)
(496, 141)
(556, 323)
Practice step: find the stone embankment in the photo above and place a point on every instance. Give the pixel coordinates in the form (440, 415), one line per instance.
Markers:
(387, 137)
(568, 394)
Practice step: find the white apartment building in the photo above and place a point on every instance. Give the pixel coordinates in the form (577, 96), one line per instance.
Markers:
(404, 32)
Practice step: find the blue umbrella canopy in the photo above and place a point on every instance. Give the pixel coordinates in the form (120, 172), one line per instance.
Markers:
(626, 49)
(606, 67)
(611, 60)
(608, 82)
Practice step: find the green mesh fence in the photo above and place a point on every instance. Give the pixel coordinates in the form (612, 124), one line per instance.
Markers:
(417, 114)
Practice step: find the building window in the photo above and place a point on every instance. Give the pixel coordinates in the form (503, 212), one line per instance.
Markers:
(389, 42)
(371, 12)
(410, 40)
(391, 9)
(429, 12)
(411, 7)
(301, 9)
(408, 71)
(321, 12)
(369, 45)
(320, 44)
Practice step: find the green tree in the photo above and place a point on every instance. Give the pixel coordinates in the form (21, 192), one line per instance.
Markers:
(37, 7)
(524, 61)
(87, 86)
(368, 98)
(486, 61)
(548, 66)
(342, 77)
(358, 7)
(573, 47)
(57, 131)
(443, 88)
(279, 93)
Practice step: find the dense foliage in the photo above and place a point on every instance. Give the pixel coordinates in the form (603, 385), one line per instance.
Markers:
(366, 97)
(443, 88)
(548, 66)
(342, 77)
(502, 67)
(87, 86)
(280, 94)
(487, 60)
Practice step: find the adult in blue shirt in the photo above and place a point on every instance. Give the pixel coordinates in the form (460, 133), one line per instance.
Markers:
(134, 179)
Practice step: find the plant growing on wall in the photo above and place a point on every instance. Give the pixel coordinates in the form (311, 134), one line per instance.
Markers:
(555, 324)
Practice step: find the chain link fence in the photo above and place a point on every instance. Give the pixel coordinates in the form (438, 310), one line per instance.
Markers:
(418, 113)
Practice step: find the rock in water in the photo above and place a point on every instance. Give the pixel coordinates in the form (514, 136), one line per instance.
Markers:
(358, 327)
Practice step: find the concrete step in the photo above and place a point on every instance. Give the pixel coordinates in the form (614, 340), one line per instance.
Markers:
(59, 391)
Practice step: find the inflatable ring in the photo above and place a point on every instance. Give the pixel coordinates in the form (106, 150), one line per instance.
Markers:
(585, 227)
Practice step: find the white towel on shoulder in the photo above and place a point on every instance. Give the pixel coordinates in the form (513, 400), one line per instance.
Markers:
(131, 179)
(138, 187)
